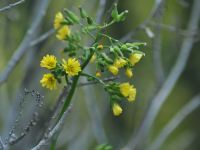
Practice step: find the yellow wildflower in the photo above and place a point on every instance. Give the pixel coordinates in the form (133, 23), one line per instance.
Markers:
(117, 110)
(48, 61)
(98, 74)
(100, 47)
(71, 66)
(48, 80)
(119, 62)
(125, 89)
(59, 18)
(132, 94)
(114, 70)
(128, 91)
(135, 58)
(129, 72)
(93, 58)
(63, 33)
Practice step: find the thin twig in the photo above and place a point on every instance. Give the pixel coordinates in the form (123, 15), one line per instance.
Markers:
(42, 37)
(1, 144)
(11, 5)
(171, 80)
(101, 9)
(95, 82)
(56, 130)
(175, 122)
(23, 47)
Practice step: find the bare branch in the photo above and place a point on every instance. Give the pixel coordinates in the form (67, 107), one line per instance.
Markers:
(171, 80)
(101, 9)
(1, 144)
(23, 47)
(175, 122)
(49, 136)
(42, 37)
(11, 5)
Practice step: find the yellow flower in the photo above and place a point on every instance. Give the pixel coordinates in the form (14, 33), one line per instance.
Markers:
(119, 62)
(98, 74)
(132, 94)
(58, 20)
(100, 47)
(114, 70)
(135, 58)
(129, 72)
(48, 61)
(125, 89)
(93, 58)
(117, 110)
(71, 66)
(48, 80)
(63, 33)
(128, 91)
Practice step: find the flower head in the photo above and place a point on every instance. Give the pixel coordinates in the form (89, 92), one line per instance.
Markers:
(48, 61)
(114, 70)
(132, 94)
(119, 62)
(117, 110)
(129, 72)
(59, 18)
(98, 74)
(48, 80)
(71, 66)
(135, 58)
(100, 47)
(63, 33)
(128, 91)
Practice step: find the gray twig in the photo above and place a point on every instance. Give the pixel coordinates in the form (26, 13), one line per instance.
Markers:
(11, 5)
(49, 136)
(101, 9)
(19, 53)
(42, 37)
(175, 122)
(1, 144)
(171, 80)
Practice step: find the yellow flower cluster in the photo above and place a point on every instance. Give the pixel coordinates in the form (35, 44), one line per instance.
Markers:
(71, 67)
(128, 91)
(63, 30)
(135, 58)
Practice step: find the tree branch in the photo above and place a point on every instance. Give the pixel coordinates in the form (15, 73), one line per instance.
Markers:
(19, 53)
(56, 130)
(11, 5)
(175, 122)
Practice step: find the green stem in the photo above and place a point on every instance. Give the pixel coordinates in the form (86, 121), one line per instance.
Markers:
(97, 79)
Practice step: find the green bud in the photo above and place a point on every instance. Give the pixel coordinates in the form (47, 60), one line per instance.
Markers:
(114, 13)
(82, 12)
(89, 21)
(72, 16)
(122, 16)
(106, 58)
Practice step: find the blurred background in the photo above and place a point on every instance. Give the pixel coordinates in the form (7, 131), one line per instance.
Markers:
(163, 25)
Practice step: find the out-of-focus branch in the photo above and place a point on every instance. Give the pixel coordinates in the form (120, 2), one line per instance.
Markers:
(171, 80)
(156, 46)
(175, 122)
(9, 6)
(1, 144)
(48, 137)
(101, 9)
(42, 37)
(23, 47)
